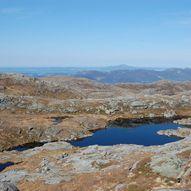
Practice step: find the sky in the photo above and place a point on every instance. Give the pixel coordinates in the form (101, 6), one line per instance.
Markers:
(45, 33)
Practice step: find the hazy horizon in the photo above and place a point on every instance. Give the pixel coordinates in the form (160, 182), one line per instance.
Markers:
(98, 66)
(83, 33)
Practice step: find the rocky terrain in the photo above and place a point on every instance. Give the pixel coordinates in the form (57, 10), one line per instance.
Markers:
(53, 110)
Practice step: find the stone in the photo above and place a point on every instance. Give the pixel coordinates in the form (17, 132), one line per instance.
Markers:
(13, 176)
(169, 114)
(121, 187)
(7, 186)
(179, 132)
(168, 166)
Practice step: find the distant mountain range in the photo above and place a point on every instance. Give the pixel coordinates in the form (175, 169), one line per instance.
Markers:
(137, 75)
(108, 74)
(66, 71)
(126, 67)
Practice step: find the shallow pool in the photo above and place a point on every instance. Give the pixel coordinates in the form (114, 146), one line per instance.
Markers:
(5, 165)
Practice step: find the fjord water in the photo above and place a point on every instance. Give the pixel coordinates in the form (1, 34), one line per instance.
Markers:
(141, 135)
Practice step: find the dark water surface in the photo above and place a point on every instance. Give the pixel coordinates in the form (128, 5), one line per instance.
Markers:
(5, 165)
(27, 146)
(141, 135)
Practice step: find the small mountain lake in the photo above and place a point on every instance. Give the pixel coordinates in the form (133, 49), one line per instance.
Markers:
(141, 135)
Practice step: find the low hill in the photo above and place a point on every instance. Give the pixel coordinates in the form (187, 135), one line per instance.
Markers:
(137, 76)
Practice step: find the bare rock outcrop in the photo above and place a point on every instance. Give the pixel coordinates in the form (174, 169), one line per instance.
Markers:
(6, 186)
(180, 132)
(61, 108)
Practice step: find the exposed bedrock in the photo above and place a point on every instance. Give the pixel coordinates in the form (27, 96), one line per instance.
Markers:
(180, 132)
(59, 166)
(62, 108)
(185, 122)
(6, 186)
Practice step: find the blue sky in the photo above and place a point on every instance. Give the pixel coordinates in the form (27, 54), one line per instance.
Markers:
(95, 33)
